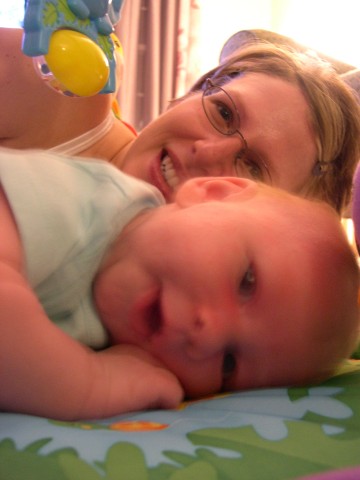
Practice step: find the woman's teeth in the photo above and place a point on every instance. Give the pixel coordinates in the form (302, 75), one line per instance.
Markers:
(169, 172)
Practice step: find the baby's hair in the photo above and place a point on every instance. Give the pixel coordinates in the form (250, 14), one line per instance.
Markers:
(332, 288)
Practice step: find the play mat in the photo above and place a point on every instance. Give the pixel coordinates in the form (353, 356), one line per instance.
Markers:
(278, 433)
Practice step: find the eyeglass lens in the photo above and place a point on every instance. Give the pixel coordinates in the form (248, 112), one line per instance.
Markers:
(221, 110)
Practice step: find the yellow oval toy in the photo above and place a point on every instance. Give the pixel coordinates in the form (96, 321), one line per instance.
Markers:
(77, 62)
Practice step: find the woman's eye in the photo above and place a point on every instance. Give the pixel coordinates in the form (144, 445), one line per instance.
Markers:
(227, 116)
(229, 365)
(247, 166)
(248, 283)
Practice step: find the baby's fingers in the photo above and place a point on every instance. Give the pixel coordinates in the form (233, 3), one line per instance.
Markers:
(136, 381)
(163, 390)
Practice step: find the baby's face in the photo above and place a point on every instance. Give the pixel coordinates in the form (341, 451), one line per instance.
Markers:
(218, 286)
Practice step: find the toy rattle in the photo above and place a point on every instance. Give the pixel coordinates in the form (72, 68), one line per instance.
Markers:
(73, 44)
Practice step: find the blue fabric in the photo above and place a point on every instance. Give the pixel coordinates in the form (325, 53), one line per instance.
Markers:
(268, 434)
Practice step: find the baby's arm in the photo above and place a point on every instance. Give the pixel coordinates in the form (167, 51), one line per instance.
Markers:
(45, 372)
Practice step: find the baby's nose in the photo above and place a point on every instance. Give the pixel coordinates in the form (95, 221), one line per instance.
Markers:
(211, 331)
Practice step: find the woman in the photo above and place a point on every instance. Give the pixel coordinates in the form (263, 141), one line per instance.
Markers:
(298, 119)
(286, 119)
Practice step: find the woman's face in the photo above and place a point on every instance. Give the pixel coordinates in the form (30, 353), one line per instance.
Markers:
(182, 143)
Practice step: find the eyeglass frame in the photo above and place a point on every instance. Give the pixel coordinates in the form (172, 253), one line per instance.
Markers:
(320, 167)
(209, 84)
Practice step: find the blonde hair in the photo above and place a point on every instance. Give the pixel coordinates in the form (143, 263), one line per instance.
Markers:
(334, 109)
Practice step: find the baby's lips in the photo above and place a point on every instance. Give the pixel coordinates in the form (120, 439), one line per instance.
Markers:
(146, 318)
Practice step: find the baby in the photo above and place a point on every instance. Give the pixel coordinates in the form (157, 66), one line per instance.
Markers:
(108, 304)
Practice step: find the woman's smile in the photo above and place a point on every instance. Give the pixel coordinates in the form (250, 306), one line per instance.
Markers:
(164, 173)
(169, 172)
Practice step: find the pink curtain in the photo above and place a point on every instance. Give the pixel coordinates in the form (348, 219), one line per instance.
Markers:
(160, 39)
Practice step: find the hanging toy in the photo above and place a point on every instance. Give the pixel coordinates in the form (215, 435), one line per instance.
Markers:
(72, 43)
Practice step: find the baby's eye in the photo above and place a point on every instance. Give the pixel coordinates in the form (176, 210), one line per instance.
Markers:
(229, 365)
(248, 283)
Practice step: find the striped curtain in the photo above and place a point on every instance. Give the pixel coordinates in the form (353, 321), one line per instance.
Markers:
(160, 39)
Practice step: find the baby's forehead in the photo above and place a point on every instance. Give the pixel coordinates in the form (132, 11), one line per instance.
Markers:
(300, 218)
(304, 205)
(320, 212)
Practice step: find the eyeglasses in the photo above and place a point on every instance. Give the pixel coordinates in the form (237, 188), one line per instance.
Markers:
(221, 111)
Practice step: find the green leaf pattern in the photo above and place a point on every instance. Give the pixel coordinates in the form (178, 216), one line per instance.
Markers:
(318, 430)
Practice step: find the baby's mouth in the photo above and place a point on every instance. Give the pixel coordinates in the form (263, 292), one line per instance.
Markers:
(168, 171)
(154, 317)
(146, 316)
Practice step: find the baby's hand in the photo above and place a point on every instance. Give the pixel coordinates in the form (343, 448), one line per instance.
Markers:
(134, 381)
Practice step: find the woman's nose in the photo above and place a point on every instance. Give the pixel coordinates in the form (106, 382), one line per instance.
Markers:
(214, 156)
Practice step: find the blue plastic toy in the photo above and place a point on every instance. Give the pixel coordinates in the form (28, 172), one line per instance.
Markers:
(73, 43)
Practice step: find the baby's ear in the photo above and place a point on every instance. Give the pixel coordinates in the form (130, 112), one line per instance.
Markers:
(207, 189)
